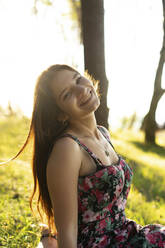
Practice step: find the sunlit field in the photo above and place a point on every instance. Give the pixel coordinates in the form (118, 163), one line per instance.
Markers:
(19, 228)
(146, 202)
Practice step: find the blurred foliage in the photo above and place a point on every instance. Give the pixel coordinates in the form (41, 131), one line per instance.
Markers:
(13, 132)
(134, 122)
(74, 12)
(19, 228)
(10, 111)
(129, 122)
(47, 2)
(75, 6)
(146, 201)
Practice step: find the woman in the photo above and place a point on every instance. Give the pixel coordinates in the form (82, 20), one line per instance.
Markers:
(83, 183)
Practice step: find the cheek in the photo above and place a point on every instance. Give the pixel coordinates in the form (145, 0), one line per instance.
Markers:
(61, 106)
(69, 106)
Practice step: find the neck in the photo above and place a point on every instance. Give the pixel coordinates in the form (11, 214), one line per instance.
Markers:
(85, 127)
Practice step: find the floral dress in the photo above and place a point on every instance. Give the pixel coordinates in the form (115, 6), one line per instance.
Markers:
(102, 197)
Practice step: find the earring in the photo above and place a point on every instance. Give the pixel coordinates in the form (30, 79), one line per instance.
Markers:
(64, 122)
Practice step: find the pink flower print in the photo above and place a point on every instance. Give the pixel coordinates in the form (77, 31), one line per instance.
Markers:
(118, 190)
(99, 195)
(103, 241)
(127, 175)
(108, 208)
(124, 233)
(161, 243)
(162, 228)
(102, 224)
(89, 216)
(95, 245)
(154, 237)
(120, 232)
(120, 238)
(87, 184)
(106, 197)
(100, 242)
(85, 230)
(120, 203)
(120, 181)
(99, 173)
(81, 207)
(146, 230)
(85, 201)
(123, 219)
(124, 203)
(117, 217)
(112, 169)
(122, 163)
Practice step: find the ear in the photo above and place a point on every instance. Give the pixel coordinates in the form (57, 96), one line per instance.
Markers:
(62, 117)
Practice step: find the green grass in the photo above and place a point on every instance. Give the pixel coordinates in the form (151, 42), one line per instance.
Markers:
(146, 201)
(19, 228)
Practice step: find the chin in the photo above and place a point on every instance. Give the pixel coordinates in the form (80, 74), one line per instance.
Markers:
(96, 106)
(98, 103)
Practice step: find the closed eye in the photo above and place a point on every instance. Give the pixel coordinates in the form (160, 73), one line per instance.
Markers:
(78, 80)
(66, 95)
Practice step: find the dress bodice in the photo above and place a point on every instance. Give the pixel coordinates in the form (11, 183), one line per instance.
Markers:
(104, 193)
(102, 197)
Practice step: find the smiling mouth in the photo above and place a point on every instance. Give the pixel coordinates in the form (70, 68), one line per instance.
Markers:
(88, 99)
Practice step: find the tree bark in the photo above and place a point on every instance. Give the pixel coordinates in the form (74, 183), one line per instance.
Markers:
(149, 123)
(94, 51)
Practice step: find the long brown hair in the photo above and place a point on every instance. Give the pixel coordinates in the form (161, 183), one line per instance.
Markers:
(44, 130)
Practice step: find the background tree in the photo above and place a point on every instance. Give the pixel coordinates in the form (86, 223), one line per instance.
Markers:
(94, 59)
(75, 6)
(149, 123)
(90, 19)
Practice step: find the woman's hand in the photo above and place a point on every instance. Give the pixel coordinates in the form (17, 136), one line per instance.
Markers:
(48, 243)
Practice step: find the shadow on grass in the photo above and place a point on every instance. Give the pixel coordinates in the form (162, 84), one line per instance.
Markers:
(148, 180)
(150, 147)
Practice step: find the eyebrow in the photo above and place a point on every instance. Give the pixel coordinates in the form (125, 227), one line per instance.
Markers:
(74, 76)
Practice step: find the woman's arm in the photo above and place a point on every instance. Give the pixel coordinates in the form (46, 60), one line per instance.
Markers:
(62, 179)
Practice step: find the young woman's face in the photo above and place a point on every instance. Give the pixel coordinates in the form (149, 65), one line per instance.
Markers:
(75, 95)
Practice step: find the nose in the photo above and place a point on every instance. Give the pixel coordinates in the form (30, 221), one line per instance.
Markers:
(81, 91)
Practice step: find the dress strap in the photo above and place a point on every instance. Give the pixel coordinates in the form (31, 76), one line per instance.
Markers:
(104, 133)
(94, 157)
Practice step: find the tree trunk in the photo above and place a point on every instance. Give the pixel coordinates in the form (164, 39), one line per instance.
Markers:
(93, 40)
(149, 122)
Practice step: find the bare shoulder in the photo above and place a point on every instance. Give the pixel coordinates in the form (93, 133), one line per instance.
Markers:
(65, 154)
(62, 179)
